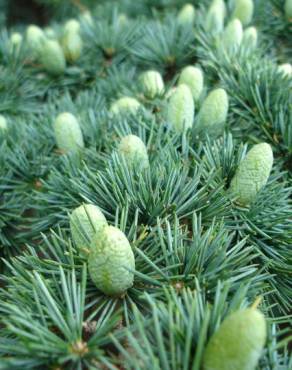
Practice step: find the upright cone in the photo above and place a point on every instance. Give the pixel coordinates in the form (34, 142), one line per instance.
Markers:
(215, 16)
(212, 116)
(186, 16)
(288, 8)
(125, 105)
(68, 133)
(134, 151)
(232, 35)
(52, 57)
(152, 84)
(110, 261)
(86, 221)
(194, 79)
(180, 109)
(243, 11)
(238, 343)
(252, 173)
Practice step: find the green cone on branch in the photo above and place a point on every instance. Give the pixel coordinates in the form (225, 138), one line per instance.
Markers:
(152, 84)
(285, 69)
(125, 105)
(180, 109)
(52, 57)
(252, 173)
(86, 221)
(243, 11)
(250, 37)
(134, 151)
(213, 113)
(68, 133)
(238, 343)
(288, 9)
(187, 14)
(35, 39)
(3, 124)
(232, 35)
(111, 262)
(194, 79)
(215, 16)
(15, 41)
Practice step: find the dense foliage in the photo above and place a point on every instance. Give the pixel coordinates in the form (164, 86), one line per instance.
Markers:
(205, 206)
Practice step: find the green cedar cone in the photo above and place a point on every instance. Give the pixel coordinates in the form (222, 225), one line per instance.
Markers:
(72, 26)
(125, 105)
(252, 173)
(238, 343)
(180, 109)
(68, 133)
(186, 16)
(122, 20)
(15, 40)
(212, 116)
(35, 39)
(52, 57)
(72, 46)
(152, 84)
(215, 16)
(134, 151)
(3, 123)
(285, 69)
(86, 221)
(194, 79)
(111, 258)
(250, 37)
(243, 11)
(232, 35)
(86, 18)
(288, 8)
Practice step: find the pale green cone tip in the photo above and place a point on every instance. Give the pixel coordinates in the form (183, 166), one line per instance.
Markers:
(213, 113)
(16, 38)
(72, 26)
(122, 20)
(238, 343)
(250, 37)
(288, 8)
(134, 151)
(215, 16)
(3, 123)
(285, 69)
(86, 17)
(15, 42)
(243, 11)
(34, 33)
(221, 5)
(252, 174)
(180, 109)
(52, 57)
(68, 133)
(125, 105)
(187, 14)
(72, 46)
(35, 38)
(194, 79)
(232, 35)
(86, 221)
(111, 262)
(214, 20)
(152, 84)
